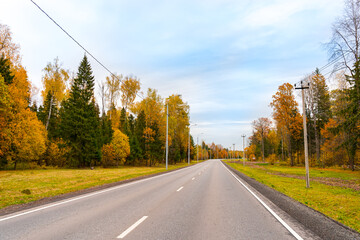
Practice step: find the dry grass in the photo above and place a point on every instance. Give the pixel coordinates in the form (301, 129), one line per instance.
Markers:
(23, 186)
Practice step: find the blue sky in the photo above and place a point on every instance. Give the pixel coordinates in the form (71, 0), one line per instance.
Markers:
(226, 57)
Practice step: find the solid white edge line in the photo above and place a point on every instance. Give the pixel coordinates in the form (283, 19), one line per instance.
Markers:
(297, 236)
(179, 189)
(132, 227)
(92, 194)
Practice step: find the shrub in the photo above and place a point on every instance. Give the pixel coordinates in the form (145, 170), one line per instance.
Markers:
(108, 156)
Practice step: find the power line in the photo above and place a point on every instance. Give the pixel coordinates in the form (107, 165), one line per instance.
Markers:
(332, 62)
(101, 64)
(324, 67)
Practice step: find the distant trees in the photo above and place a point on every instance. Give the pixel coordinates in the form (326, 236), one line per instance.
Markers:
(261, 129)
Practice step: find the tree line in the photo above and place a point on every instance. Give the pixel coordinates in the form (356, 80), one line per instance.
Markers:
(69, 129)
(332, 116)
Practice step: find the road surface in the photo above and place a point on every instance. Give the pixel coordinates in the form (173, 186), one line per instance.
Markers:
(204, 201)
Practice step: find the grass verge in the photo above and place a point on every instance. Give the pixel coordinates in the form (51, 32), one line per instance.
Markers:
(23, 186)
(337, 201)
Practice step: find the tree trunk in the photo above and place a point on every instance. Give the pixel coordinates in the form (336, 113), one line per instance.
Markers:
(50, 107)
(262, 148)
(298, 157)
(290, 153)
(317, 143)
(282, 148)
(352, 154)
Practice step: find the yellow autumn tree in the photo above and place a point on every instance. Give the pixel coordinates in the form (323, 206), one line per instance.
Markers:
(332, 152)
(54, 80)
(120, 144)
(129, 88)
(287, 116)
(28, 138)
(108, 156)
(28, 134)
(178, 128)
(8, 48)
(5, 117)
(152, 107)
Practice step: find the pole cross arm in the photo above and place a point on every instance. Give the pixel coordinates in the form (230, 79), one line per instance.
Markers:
(303, 85)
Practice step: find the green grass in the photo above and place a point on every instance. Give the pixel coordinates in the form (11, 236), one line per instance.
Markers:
(315, 172)
(15, 186)
(339, 203)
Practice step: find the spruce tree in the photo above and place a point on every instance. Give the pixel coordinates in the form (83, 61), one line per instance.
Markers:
(106, 130)
(155, 146)
(80, 122)
(134, 148)
(123, 122)
(139, 128)
(352, 114)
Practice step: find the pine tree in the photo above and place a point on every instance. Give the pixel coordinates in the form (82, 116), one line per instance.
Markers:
(80, 122)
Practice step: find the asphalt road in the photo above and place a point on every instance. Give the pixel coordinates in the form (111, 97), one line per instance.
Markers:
(204, 201)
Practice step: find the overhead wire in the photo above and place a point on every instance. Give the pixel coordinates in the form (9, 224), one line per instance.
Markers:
(335, 60)
(81, 46)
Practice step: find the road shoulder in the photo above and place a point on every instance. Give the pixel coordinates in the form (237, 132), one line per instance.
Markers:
(316, 222)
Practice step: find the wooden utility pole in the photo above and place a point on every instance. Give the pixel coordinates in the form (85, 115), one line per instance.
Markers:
(303, 86)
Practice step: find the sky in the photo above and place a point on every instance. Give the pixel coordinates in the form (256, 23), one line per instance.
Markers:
(225, 57)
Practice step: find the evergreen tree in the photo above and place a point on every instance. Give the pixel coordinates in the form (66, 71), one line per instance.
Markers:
(131, 124)
(5, 70)
(123, 122)
(351, 124)
(34, 108)
(155, 146)
(193, 148)
(106, 130)
(80, 122)
(140, 125)
(133, 141)
(318, 110)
